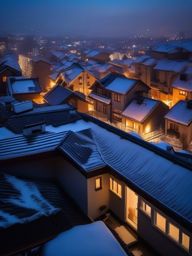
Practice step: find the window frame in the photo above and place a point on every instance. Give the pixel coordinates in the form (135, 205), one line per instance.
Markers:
(100, 181)
(118, 190)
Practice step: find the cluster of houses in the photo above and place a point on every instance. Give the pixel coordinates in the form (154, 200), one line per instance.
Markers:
(61, 168)
(139, 95)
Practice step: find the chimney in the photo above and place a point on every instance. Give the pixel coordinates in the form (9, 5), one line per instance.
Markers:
(34, 129)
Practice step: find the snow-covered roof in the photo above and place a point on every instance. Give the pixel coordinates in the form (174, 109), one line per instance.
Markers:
(57, 95)
(121, 85)
(183, 85)
(9, 61)
(166, 48)
(93, 53)
(81, 147)
(150, 62)
(100, 98)
(141, 59)
(140, 111)
(72, 73)
(170, 65)
(6, 133)
(25, 195)
(180, 113)
(94, 239)
(23, 85)
(58, 54)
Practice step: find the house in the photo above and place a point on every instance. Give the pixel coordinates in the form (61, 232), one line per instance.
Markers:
(144, 115)
(22, 88)
(113, 93)
(98, 55)
(42, 70)
(78, 79)
(178, 122)
(172, 51)
(8, 67)
(165, 72)
(105, 169)
(182, 86)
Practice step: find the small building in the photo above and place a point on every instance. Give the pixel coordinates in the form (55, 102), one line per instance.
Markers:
(8, 67)
(144, 115)
(113, 93)
(165, 73)
(22, 88)
(182, 87)
(178, 122)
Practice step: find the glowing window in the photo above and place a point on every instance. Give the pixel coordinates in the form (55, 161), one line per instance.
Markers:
(98, 183)
(185, 241)
(174, 232)
(145, 208)
(4, 79)
(182, 93)
(115, 187)
(160, 222)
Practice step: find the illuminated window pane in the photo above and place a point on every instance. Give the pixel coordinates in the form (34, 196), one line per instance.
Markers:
(160, 222)
(119, 190)
(98, 183)
(115, 187)
(185, 241)
(173, 232)
(145, 208)
(4, 79)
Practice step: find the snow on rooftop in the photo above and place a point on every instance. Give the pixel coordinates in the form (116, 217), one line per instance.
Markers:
(75, 127)
(150, 62)
(86, 240)
(121, 85)
(27, 196)
(180, 113)
(72, 73)
(100, 98)
(183, 85)
(170, 65)
(24, 86)
(6, 133)
(152, 173)
(140, 112)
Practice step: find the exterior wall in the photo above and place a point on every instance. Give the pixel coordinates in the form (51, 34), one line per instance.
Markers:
(82, 106)
(30, 96)
(26, 65)
(42, 70)
(100, 114)
(117, 204)
(185, 132)
(98, 198)
(162, 244)
(83, 83)
(177, 96)
(74, 183)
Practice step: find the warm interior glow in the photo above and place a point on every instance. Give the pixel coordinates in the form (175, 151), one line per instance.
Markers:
(90, 107)
(185, 241)
(4, 79)
(98, 183)
(146, 208)
(173, 232)
(115, 187)
(160, 222)
(148, 128)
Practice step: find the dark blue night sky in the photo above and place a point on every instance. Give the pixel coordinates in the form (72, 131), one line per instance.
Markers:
(95, 17)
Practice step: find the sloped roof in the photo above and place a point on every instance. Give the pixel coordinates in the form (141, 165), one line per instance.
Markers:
(170, 65)
(82, 149)
(180, 113)
(139, 112)
(183, 85)
(9, 61)
(57, 95)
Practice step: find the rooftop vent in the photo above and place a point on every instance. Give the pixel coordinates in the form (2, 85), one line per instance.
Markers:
(20, 107)
(34, 129)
